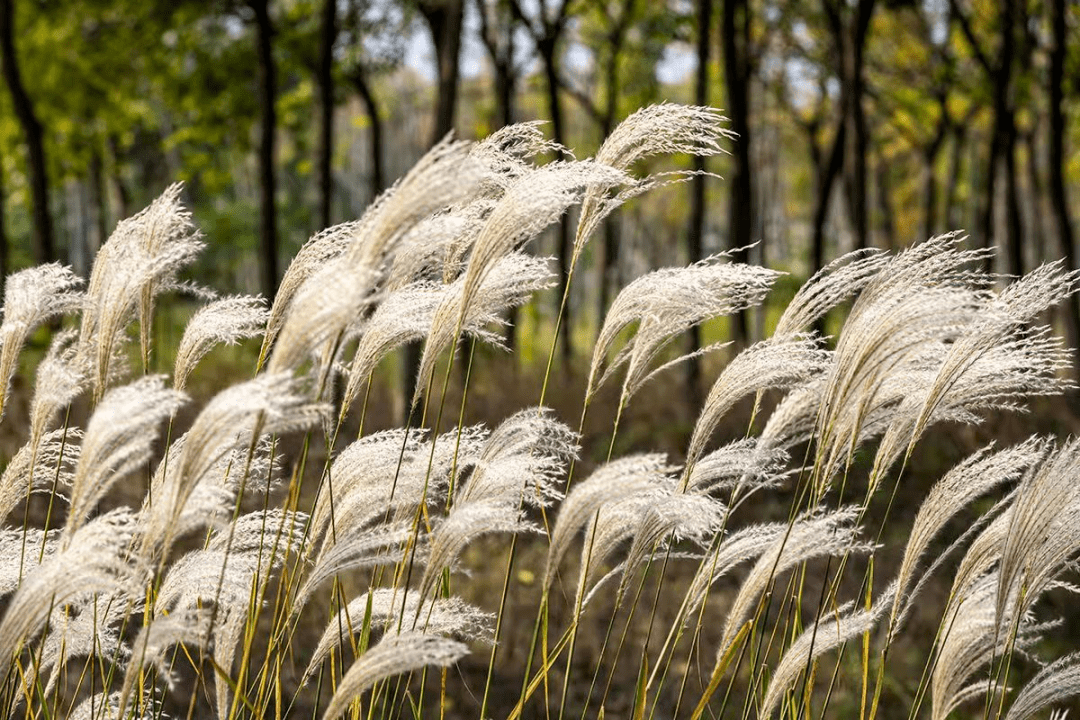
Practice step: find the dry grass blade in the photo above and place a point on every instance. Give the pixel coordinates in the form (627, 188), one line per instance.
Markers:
(742, 545)
(393, 655)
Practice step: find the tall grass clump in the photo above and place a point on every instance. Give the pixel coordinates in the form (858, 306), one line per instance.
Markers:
(266, 553)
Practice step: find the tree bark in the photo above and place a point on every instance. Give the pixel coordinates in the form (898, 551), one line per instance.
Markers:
(549, 58)
(325, 80)
(695, 235)
(444, 20)
(371, 107)
(44, 250)
(826, 178)
(853, 41)
(267, 77)
(735, 42)
(1056, 158)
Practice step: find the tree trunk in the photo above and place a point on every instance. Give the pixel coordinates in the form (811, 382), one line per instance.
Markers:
(826, 177)
(884, 203)
(444, 20)
(953, 213)
(1056, 158)
(735, 42)
(44, 250)
(695, 235)
(548, 57)
(853, 40)
(268, 241)
(5, 268)
(1001, 143)
(119, 190)
(325, 80)
(371, 107)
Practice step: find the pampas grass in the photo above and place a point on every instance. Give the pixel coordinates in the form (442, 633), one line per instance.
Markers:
(304, 569)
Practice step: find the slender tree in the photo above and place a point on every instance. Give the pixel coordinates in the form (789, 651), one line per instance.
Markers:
(33, 133)
(735, 41)
(546, 24)
(444, 20)
(998, 66)
(1055, 161)
(267, 79)
(695, 234)
(325, 79)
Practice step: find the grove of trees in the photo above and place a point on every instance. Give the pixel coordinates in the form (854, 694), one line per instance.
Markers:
(860, 123)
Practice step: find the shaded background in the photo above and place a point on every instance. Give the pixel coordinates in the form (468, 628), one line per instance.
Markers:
(860, 123)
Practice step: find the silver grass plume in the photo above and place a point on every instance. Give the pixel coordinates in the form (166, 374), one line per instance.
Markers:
(58, 382)
(49, 467)
(972, 478)
(507, 152)
(531, 203)
(762, 366)
(827, 288)
(88, 626)
(446, 176)
(386, 475)
(663, 129)
(321, 312)
(1006, 318)
(925, 294)
(106, 706)
(1056, 682)
(94, 560)
(393, 655)
(972, 637)
(357, 548)
(735, 465)
(140, 260)
(20, 551)
(519, 467)
(675, 516)
(385, 608)
(31, 297)
(614, 481)
(510, 281)
(119, 439)
(830, 631)
(187, 626)
(226, 576)
(668, 302)
(1044, 533)
(794, 419)
(435, 249)
(404, 315)
(744, 544)
(327, 245)
(235, 418)
(213, 500)
(221, 322)
(813, 536)
(1001, 378)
